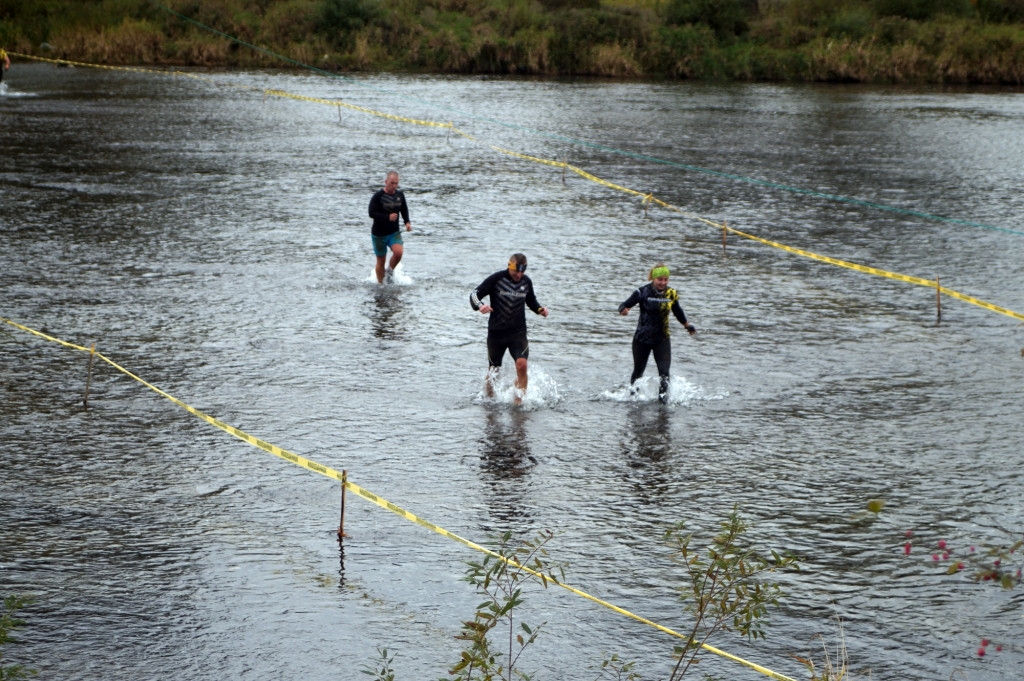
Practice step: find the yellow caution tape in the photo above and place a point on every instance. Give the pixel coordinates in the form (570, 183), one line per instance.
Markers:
(384, 503)
(648, 198)
(276, 93)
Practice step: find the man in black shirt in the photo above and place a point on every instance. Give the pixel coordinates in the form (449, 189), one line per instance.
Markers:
(385, 207)
(511, 291)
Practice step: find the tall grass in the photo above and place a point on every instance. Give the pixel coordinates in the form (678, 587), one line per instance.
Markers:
(899, 41)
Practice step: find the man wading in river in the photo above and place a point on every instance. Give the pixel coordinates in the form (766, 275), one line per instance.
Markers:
(510, 291)
(385, 207)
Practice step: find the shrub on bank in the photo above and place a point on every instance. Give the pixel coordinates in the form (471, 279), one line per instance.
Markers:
(949, 41)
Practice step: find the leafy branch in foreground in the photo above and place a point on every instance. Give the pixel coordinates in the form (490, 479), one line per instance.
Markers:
(382, 671)
(8, 623)
(725, 589)
(501, 581)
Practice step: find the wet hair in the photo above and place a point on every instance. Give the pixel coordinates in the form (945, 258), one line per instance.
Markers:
(650, 275)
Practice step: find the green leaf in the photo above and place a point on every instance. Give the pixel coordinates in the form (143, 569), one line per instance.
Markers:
(876, 505)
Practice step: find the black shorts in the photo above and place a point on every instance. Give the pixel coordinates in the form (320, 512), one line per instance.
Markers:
(500, 341)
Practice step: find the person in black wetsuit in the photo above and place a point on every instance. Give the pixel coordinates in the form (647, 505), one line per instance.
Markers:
(510, 291)
(655, 299)
(5, 63)
(385, 207)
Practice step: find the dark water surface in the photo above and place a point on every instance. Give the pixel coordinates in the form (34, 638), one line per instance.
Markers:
(216, 243)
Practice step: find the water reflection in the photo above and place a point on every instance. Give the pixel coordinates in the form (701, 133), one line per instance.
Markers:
(387, 304)
(647, 449)
(505, 459)
(506, 451)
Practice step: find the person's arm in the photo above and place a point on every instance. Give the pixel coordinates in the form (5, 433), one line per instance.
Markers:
(531, 302)
(405, 214)
(677, 310)
(625, 306)
(482, 291)
(377, 211)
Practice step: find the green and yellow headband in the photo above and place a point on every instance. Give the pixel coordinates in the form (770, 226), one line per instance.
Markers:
(659, 272)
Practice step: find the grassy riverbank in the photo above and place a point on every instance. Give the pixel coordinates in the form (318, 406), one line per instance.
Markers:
(892, 41)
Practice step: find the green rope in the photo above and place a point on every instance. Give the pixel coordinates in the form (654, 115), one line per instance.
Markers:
(570, 140)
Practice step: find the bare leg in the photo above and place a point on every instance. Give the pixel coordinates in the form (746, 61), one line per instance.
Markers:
(379, 269)
(492, 372)
(521, 380)
(396, 255)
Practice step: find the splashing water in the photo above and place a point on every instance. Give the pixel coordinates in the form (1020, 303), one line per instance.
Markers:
(397, 278)
(680, 391)
(541, 389)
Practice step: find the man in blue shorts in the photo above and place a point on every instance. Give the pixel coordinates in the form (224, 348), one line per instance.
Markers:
(385, 207)
(511, 291)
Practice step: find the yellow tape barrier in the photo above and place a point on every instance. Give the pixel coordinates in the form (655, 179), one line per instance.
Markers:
(647, 198)
(383, 503)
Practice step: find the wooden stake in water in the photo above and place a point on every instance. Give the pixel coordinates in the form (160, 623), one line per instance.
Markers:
(341, 527)
(938, 301)
(565, 164)
(451, 124)
(725, 230)
(88, 377)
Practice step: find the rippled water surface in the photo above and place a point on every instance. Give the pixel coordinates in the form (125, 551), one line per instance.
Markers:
(215, 242)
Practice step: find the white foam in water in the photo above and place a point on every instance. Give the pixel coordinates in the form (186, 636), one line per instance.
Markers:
(541, 389)
(680, 391)
(399, 278)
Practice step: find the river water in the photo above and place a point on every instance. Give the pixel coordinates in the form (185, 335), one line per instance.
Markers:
(215, 242)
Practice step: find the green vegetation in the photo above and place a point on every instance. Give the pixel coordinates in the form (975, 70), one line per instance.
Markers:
(9, 622)
(723, 587)
(936, 41)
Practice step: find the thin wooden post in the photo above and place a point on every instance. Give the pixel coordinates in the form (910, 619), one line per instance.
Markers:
(451, 124)
(565, 164)
(341, 527)
(725, 230)
(938, 301)
(339, 115)
(88, 378)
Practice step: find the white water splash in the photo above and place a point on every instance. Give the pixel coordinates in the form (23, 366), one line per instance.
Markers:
(680, 391)
(398, 278)
(541, 389)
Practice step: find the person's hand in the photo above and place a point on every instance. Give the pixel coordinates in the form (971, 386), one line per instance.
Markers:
(543, 312)
(624, 311)
(408, 226)
(393, 217)
(484, 309)
(691, 328)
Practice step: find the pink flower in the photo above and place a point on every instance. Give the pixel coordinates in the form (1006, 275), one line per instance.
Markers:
(981, 652)
(942, 543)
(945, 556)
(935, 556)
(999, 649)
(984, 642)
(906, 549)
(996, 562)
(959, 566)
